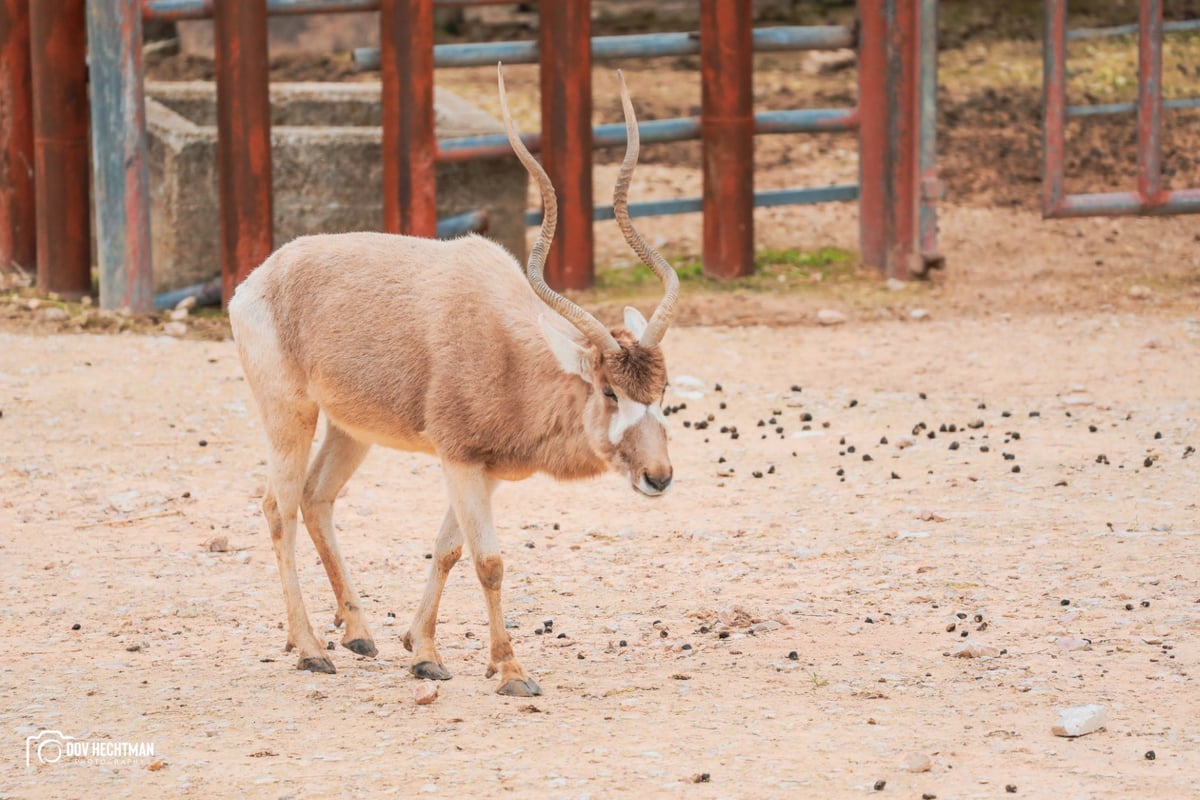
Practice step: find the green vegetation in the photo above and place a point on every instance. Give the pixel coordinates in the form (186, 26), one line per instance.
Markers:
(774, 270)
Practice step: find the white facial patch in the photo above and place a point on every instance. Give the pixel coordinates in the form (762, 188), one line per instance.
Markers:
(629, 413)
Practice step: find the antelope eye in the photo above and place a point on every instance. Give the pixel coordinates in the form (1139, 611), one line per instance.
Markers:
(610, 394)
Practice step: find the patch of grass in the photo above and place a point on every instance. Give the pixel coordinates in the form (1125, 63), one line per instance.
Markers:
(773, 270)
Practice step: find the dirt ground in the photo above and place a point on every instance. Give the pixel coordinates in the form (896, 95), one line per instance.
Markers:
(1003, 455)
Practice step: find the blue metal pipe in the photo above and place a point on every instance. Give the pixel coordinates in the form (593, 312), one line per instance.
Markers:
(461, 224)
(689, 205)
(645, 45)
(1125, 108)
(1181, 26)
(678, 129)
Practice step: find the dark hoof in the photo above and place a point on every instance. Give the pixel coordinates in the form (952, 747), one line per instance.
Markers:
(407, 642)
(431, 670)
(364, 647)
(317, 665)
(520, 688)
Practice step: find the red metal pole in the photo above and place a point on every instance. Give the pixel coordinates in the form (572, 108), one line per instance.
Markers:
(409, 140)
(727, 133)
(1149, 104)
(566, 79)
(1054, 105)
(903, 140)
(58, 47)
(243, 138)
(18, 231)
(872, 132)
(889, 144)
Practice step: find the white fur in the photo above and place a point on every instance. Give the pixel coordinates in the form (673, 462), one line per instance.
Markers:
(629, 413)
(572, 357)
(635, 322)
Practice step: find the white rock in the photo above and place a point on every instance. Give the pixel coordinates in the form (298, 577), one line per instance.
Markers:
(1080, 720)
(975, 650)
(55, 314)
(1139, 292)
(179, 314)
(828, 316)
(765, 625)
(175, 328)
(918, 762)
(919, 314)
(186, 304)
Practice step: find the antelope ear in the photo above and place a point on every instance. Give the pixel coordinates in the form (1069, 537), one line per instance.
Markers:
(635, 322)
(573, 358)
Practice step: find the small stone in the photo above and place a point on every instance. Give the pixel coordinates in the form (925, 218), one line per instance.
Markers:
(55, 314)
(186, 304)
(702, 777)
(1138, 292)
(217, 544)
(425, 692)
(975, 650)
(179, 315)
(918, 762)
(175, 329)
(828, 316)
(919, 314)
(1080, 720)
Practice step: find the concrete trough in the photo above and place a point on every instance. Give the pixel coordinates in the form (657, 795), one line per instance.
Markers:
(327, 168)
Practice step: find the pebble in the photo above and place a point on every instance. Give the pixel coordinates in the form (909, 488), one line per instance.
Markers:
(828, 316)
(175, 328)
(1080, 720)
(975, 650)
(55, 314)
(918, 762)
(425, 692)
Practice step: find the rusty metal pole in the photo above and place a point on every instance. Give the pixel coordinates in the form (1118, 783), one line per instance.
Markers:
(58, 48)
(1149, 102)
(872, 132)
(243, 138)
(727, 133)
(889, 141)
(903, 139)
(18, 231)
(119, 155)
(566, 79)
(409, 139)
(1054, 106)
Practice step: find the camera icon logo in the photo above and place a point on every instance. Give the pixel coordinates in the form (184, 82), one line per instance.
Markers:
(47, 747)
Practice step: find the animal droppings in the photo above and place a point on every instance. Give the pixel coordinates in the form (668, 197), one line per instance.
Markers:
(879, 785)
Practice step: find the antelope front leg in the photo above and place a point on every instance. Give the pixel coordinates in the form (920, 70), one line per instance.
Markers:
(471, 499)
(420, 637)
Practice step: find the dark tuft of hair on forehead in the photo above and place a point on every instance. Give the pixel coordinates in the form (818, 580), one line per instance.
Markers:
(641, 372)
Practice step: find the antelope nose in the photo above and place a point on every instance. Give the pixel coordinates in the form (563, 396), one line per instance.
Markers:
(658, 482)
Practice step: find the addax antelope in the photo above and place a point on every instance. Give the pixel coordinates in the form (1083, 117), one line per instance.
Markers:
(443, 347)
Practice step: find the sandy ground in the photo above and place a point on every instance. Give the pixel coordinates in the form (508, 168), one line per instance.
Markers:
(782, 635)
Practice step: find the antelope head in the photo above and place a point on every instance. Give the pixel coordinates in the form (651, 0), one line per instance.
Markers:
(623, 368)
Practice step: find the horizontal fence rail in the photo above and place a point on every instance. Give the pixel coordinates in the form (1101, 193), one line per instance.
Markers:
(641, 45)
(808, 195)
(177, 10)
(679, 129)
(1182, 26)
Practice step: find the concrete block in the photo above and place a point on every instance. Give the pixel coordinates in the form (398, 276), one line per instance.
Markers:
(327, 167)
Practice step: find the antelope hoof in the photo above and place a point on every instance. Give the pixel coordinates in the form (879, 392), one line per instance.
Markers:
(320, 664)
(408, 641)
(520, 688)
(430, 670)
(363, 647)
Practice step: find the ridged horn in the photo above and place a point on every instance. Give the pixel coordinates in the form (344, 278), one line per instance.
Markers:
(589, 326)
(661, 320)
